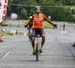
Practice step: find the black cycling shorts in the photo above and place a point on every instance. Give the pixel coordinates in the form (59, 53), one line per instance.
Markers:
(37, 31)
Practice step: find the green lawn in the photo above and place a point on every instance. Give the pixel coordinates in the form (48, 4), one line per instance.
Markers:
(9, 33)
(47, 25)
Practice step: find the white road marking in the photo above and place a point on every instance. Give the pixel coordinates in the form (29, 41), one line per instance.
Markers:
(6, 55)
(64, 31)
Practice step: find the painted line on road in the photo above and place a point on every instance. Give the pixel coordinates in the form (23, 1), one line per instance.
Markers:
(6, 55)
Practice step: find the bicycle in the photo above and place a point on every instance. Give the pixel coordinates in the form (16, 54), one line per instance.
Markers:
(36, 43)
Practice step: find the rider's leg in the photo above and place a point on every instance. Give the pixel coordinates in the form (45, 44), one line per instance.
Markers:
(33, 45)
(43, 40)
(33, 42)
(42, 34)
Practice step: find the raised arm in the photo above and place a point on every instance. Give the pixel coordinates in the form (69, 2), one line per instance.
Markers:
(50, 22)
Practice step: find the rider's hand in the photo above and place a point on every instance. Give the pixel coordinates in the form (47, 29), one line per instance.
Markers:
(25, 25)
(55, 26)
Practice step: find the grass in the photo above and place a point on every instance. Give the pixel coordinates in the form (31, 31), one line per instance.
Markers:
(47, 25)
(9, 33)
(6, 33)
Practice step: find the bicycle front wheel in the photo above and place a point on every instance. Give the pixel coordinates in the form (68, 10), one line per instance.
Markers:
(37, 52)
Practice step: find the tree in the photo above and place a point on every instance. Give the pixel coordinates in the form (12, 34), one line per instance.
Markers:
(24, 13)
(37, 1)
(57, 13)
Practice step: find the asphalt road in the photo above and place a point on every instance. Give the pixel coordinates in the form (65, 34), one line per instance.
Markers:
(16, 51)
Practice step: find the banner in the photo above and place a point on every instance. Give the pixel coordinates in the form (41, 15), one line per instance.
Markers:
(3, 9)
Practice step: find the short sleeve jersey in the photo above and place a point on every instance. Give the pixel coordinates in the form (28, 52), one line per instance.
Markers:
(38, 20)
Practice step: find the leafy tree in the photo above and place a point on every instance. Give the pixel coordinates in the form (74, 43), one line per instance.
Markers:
(24, 13)
(25, 8)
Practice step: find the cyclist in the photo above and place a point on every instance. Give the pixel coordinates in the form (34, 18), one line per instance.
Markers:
(38, 28)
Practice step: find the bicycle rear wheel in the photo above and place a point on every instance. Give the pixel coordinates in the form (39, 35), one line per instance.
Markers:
(37, 52)
(30, 36)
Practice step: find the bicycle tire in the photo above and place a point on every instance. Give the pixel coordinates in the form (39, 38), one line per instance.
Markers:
(37, 52)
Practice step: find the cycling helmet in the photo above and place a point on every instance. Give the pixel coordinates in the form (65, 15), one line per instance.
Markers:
(37, 7)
